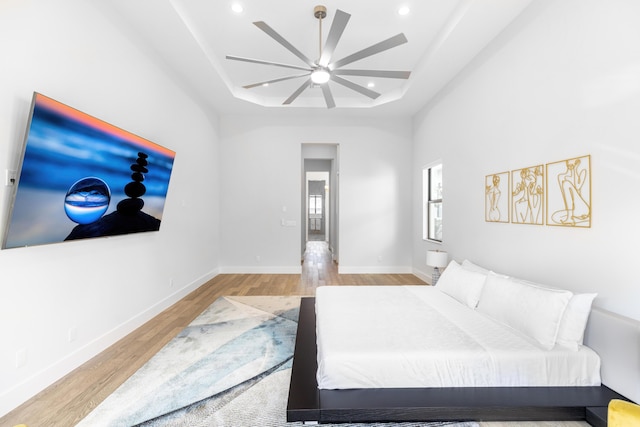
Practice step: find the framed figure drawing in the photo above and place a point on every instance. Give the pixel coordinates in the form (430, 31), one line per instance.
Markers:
(569, 192)
(527, 195)
(496, 197)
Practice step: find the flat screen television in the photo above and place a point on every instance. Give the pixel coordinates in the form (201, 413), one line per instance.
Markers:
(80, 177)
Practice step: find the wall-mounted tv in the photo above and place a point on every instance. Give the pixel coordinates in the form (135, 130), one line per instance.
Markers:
(81, 177)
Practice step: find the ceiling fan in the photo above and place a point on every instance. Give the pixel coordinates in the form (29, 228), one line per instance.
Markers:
(323, 70)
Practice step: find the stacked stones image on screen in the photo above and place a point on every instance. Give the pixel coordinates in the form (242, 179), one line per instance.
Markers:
(135, 189)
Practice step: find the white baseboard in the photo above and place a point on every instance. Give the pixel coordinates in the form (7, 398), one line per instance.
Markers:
(422, 275)
(261, 270)
(374, 270)
(25, 390)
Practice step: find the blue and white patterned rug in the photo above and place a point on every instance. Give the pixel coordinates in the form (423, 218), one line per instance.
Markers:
(230, 367)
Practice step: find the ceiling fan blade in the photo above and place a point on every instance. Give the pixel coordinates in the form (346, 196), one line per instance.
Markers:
(328, 97)
(275, 80)
(259, 61)
(297, 93)
(353, 86)
(394, 41)
(374, 73)
(277, 37)
(337, 28)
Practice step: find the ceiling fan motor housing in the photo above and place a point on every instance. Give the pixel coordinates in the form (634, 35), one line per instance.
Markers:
(320, 12)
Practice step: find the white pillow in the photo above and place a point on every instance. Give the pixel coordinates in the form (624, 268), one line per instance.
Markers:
(574, 321)
(533, 310)
(463, 285)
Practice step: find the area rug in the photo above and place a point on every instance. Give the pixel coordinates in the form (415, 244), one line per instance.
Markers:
(230, 367)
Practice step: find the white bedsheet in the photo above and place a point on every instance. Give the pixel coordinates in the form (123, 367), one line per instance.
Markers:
(417, 336)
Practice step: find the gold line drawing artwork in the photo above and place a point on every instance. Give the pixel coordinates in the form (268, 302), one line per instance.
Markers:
(569, 192)
(527, 195)
(496, 197)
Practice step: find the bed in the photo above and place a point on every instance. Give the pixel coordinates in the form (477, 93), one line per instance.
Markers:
(466, 349)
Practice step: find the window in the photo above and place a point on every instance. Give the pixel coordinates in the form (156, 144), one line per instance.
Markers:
(315, 205)
(432, 202)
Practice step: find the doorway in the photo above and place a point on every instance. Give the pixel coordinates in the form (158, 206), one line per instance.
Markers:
(317, 206)
(320, 198)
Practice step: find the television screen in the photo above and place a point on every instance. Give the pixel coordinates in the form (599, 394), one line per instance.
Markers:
(82, 178)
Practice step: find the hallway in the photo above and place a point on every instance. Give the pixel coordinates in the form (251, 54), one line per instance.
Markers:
(318, 267)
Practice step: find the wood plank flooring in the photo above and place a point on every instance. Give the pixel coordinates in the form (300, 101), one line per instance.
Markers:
(71, 398)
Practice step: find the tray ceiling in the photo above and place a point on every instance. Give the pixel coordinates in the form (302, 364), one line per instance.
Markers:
(191, 38)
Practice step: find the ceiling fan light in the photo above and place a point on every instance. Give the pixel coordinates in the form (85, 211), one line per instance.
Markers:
(320, 76)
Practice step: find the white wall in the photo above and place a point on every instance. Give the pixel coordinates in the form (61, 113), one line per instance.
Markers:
(103, 288)
(375, 190)
(562, 82)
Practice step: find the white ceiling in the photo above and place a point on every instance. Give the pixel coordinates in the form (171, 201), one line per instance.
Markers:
(190, 39)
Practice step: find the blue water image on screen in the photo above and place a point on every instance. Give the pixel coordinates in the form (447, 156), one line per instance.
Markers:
(65, 150)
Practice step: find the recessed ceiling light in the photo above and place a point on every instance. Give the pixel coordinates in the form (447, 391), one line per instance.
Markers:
(237, 8)
(265, 84)
(371, 84)
(404, 10)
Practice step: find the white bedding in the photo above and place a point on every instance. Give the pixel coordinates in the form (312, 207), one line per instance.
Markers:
(417, 336)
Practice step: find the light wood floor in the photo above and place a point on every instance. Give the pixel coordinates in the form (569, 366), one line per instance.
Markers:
(70, 399)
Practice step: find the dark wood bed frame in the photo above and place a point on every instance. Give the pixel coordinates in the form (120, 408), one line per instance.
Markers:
(309, 404)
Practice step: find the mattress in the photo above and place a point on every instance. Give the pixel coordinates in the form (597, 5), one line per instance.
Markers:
(417, 336)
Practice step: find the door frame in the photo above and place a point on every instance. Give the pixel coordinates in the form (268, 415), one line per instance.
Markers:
(321, 157)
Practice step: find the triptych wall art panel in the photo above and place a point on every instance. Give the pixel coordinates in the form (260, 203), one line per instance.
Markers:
(555, 194)
(497, 197)
(527, 195)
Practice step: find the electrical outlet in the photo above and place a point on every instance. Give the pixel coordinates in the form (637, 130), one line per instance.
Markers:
(171, 282)
(72, 335)
(21, 357)
(257, 258)
(10, 177)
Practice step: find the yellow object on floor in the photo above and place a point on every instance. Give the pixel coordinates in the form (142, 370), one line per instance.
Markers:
(623, 414)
